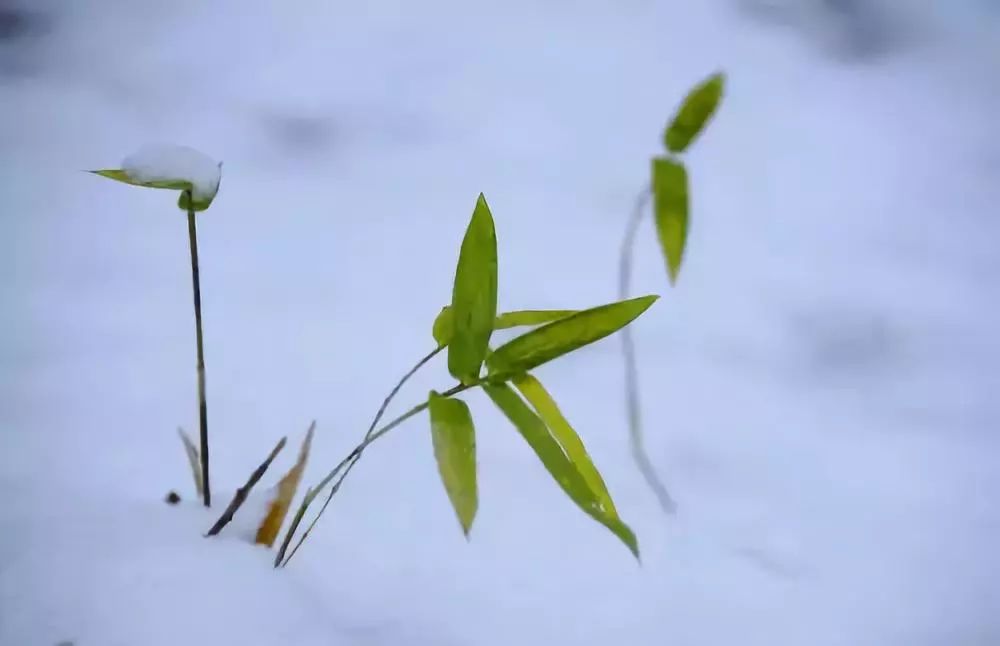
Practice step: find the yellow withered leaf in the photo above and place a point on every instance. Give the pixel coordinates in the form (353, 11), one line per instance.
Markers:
(286, 488)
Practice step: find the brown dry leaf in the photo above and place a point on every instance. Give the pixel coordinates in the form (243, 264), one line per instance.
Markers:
(193, 459)
(278, 509)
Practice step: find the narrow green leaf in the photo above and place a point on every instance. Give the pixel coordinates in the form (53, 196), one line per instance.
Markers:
(444, 324)
(555, 339)
(540, 399)
(122, 176)
(474, 296)
(670, 206)
(694, 113)
(454, 438)
(520, 318)
(537, 435)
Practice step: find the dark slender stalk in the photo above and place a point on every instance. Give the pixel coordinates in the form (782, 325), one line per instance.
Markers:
(642, 460)
(244, 491)
(202, 407)
(346, 465)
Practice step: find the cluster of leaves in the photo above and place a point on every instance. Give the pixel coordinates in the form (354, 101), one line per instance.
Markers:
(668, 187)
(669, 178)
(465, 328)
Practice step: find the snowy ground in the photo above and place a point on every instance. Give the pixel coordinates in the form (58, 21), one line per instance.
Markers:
(821, 388)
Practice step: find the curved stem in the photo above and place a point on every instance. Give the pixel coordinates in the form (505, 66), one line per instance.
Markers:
(352, 458)
(202, 406)
(639, 454)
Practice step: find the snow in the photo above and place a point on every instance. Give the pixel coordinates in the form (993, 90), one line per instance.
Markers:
(819, 389)
(169, 162)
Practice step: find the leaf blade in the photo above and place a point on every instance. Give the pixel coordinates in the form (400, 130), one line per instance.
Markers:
(671, 211)
(547, 409)
(537, 435)
(474, 296)
(519, 318)
(560, 337)
(694, 113)
(453, 436)
(121, 176)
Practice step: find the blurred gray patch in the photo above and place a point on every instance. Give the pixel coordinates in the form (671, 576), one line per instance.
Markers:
(843, 343)
(21, 27)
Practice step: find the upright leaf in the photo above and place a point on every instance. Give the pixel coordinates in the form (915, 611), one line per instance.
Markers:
(559, 466)
(474, 296)
(555, 339)
(540, 399)
(454, 439)
(694, 113)
(284, 491)
(670, 204)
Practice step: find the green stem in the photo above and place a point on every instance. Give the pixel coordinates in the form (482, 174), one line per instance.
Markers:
(202, 407)
(632, 405)
(348, 463)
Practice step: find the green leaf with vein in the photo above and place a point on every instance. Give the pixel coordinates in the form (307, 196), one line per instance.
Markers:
(454, 439)
(540, 399)
(670, 208)
(444, 324)
(559, 466)
(474, 296)
(694, 113)
(560, 337)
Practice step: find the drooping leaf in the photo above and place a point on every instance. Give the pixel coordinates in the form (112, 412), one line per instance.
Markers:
(559, 466)
(540, 399)
(670, 206)
(184, 202)
(694, 113)
(267, 532)
(122, 176)
(454, 438)
(444, 324)
(474, 296)
(520, 318)
(555, 339)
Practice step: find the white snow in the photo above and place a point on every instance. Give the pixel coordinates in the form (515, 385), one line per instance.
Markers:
(168, 162)
(820, 389)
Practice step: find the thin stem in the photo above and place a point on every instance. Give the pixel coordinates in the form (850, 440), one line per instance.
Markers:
(202, 407)
(243, 492)
(346, 465)
(639, 454)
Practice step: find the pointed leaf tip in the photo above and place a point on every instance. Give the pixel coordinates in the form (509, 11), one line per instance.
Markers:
(454, 438)
(671, 211)
(694, 113)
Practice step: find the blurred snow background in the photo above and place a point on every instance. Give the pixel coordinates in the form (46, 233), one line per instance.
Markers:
(820, 390)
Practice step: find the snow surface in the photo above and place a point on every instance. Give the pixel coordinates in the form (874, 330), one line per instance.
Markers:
(170, 162)
(820, 388)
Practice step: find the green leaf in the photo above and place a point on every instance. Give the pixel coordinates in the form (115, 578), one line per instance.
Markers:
(122, 176)
(474, 296)
(548, 450)
(444, 324)
(529, 317)
(694, 113)
(540, 399)
(454, 439)
(184, 202)
(555, 339)
(185, 187)
(670, 207)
